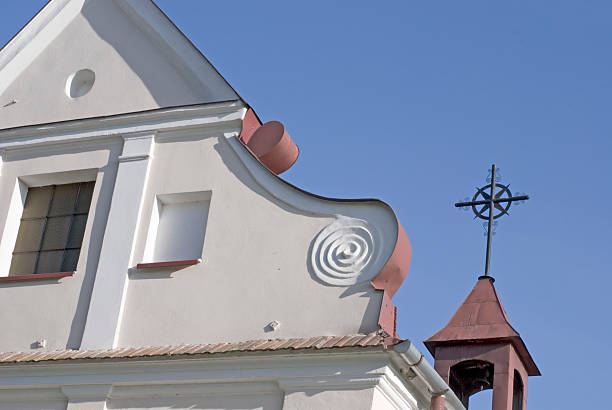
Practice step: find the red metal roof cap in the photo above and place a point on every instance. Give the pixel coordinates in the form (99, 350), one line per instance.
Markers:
(481, 318)
(274, 147)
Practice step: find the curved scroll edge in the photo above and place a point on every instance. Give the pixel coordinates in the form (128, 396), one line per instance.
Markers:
(394, 271)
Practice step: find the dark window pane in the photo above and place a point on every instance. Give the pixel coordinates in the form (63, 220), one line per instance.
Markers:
(85, 195)
(46, 231)
(29, 236)
(77, 231)
(56, 233)
(71, 258)
(50, 262)
(23, 264)
(64, 199)
(37, 202)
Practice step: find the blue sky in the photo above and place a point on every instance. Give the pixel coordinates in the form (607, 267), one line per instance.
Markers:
(411, 102)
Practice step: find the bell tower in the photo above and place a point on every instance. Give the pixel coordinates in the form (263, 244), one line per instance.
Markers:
(479, 349)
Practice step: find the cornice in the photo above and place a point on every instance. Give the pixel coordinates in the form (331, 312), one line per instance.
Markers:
(209, 375)
(210, 117)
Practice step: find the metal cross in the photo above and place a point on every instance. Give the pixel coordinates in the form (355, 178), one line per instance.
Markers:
(498, 194)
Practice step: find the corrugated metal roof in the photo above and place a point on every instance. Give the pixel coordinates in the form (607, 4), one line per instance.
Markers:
(316, 343)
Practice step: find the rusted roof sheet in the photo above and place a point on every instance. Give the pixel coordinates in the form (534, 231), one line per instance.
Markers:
(313, 343)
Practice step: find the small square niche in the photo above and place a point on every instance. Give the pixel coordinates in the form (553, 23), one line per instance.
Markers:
(178, 227)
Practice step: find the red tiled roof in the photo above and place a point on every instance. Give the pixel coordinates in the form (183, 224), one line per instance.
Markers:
(316, 343)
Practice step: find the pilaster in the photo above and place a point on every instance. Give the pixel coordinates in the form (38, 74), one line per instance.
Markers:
(110, 286)
(87, 397)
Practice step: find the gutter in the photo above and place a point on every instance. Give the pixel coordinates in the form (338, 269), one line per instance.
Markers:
(411, 360)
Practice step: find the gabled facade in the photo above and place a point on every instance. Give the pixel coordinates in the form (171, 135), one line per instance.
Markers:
(151, 257)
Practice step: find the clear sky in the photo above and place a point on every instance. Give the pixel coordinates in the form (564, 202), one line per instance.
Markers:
(411, 102)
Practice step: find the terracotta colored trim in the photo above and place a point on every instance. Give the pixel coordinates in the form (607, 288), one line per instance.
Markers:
(395, 270)
(36, 276)
(391, 276)
(402, 253)
(269, 143)
(168, 264)
(388, 316)
(321, 343)
(274, 147)
(437, 402)
(250, 123)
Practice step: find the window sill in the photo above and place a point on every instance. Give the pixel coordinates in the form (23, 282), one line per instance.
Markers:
(170, 264)
(37, 276)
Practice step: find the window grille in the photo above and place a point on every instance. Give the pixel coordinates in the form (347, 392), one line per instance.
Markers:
(52, 228)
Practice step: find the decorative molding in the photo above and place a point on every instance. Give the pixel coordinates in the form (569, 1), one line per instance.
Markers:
(179, 50)
(398, 391)
(207, 117)
(37, 276)
(342, 252)
(224, 374)
(170, 264)
(110, 285)
(32, 39)
(130, 158)
(377, 213)
(33, 394)
(174, 390)
(391, 260)
(89, 392)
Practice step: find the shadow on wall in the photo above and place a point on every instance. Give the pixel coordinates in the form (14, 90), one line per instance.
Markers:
(160, 75)
(265, 401)
(237, 168)
(369, 321)
(106, 176)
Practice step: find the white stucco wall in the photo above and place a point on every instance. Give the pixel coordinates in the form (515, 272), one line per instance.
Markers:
(124, 52)
(250, 400)
(256, 258)
(255, 262)
(55, 310)
(340, 379)
(355, 399)
(381, 401)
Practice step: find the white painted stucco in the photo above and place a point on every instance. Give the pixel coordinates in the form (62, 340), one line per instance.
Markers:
(256, 249)
(177, 227)
(153, 123)
(255, 267)
(140, 60)
(352, 379)
(56, 312)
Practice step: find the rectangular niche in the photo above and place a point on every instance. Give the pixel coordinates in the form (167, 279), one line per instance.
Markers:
(178, 227)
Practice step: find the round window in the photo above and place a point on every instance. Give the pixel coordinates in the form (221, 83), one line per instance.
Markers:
(80, 83)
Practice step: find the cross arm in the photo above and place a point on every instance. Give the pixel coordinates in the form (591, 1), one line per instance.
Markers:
(495, 200)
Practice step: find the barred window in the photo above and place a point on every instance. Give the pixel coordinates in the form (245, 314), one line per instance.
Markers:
(51, 229)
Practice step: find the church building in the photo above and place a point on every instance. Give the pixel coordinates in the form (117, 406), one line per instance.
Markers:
(151, 257)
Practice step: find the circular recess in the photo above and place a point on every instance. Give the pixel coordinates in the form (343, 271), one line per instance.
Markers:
(80, 83)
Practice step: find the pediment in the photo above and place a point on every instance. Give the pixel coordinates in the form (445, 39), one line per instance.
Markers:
(92, 58)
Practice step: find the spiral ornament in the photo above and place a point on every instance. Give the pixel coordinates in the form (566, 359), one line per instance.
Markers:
(343, 251)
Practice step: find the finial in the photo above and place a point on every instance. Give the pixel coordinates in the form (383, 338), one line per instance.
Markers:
(496, 199)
